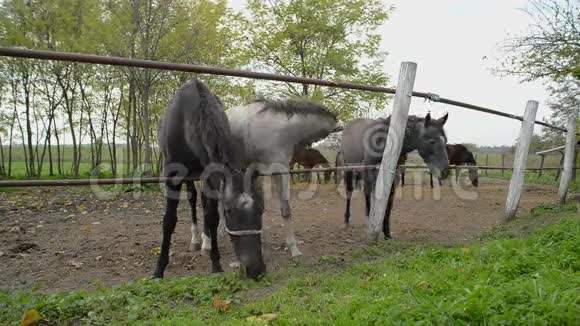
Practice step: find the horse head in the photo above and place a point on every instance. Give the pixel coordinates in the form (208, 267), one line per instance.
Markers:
(243, 209)
(431, 146)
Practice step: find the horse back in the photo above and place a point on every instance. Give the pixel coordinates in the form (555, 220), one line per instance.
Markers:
(195, 131)
(459, 154)
(358, 141)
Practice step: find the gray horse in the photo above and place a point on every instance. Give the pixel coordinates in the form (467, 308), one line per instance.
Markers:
(269, 131)
(195, 139)
(363, 142)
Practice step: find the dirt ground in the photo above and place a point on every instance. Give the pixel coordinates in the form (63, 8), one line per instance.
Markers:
(60, 239)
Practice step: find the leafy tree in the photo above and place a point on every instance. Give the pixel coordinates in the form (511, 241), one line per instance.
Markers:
(564, 103)
(325, 39)
(551, 47)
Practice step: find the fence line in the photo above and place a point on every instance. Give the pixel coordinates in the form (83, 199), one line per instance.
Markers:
(148, 180)
(140, 63)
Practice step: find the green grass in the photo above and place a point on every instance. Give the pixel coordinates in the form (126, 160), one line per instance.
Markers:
(532, 279)
(547, 178)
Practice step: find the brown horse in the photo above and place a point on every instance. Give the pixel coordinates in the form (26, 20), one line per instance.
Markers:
(309, 158)
(458, 155)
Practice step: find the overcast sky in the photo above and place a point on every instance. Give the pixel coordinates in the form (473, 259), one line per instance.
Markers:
(449, 39)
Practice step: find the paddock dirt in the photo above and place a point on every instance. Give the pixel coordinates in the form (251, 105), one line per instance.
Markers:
(58, 239)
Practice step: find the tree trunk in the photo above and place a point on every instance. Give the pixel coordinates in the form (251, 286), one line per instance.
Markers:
(11, 138)
(50, 165)
(2, 166)
(146, 124)
(134, 134)
(27, 107)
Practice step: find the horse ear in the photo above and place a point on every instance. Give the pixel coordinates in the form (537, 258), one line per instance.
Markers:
(427, 120)
(443, 119)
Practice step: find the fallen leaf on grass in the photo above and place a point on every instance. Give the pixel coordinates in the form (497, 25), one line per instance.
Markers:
(67, 203)
(31, 317)
(263, 318)
(87, 229)
(156, 251)
(424, 284)
(221, 305)
(466, 250)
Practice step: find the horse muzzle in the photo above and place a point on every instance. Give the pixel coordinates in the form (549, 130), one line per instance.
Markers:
(249, 251)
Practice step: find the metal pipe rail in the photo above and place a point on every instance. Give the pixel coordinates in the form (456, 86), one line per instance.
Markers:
(555, 149)
(149, 180)
(139, 63)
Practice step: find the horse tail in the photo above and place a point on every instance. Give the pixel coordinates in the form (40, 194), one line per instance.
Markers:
(470, 158)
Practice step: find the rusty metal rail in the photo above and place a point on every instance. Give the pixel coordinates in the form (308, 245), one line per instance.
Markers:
(200, 69)
(149, 180)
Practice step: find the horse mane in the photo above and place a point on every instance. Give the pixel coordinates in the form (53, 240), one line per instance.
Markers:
(295, 106)
(412, 122)
(213, 126)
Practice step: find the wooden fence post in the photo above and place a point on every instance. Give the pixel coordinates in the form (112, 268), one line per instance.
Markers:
(542, 157)
(486, 163)
(392, 150)
(568, 159)
(561, 166)
(575, 164)
(520, 159)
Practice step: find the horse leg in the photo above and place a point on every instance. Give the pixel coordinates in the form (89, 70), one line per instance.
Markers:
(369, 180)
(386, 220)
(281, 182)
(169, 222)
(292, 175)
(457, 175)
(195, 244)
(402, 177)
(308, 175)
(348, 184)
(210, 227)
(431, 179)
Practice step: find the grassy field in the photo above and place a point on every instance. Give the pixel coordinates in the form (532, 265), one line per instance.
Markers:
(19, 167)
(522, 273)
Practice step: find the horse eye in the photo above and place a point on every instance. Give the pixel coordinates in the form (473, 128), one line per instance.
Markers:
(432, 141)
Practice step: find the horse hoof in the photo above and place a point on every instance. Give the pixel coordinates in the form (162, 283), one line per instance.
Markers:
(156, 276)
(235, 265)
(296, 253)
(217, 270)
(195, 246)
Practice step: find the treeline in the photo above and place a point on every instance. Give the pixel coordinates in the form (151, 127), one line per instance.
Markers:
(53, 112)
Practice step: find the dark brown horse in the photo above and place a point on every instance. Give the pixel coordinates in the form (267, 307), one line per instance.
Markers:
(309, 158)
(458, 155)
